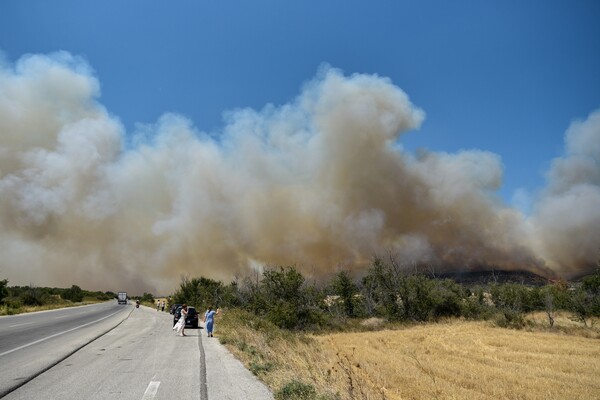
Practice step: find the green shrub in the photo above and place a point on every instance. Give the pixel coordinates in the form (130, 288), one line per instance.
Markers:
(475, 305)
(512, 301)
(241, 345)
(257, 367)
(344, 287)
(283, 298)
(296, 390)
(34, 296)
(584, 301)
(510, 319)
(103, 297)
(204, 292)
(394, 293)
(14, 303)
(3, 290)
(147, 298)
(74, 294)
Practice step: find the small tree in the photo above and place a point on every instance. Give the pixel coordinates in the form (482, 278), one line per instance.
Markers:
(286, 301)
(554, 297)
(283, 296)
(74, 294)
(346, 289)
(417, 297)
(584, 302)
(147, 298)
(449, 297)
(399, 294)
(591, 286)
(3, 290)
(513, 300)
(33, 296)
(199, 292)
(382, 282)
(477, 304)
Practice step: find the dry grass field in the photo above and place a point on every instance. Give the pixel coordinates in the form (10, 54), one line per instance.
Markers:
(451, 360)
(468, 360)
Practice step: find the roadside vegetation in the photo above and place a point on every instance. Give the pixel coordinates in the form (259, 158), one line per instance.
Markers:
(401, 332)
(146, 299)
(22, 299)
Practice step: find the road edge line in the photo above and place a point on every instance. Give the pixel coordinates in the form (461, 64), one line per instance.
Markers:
(203, 384)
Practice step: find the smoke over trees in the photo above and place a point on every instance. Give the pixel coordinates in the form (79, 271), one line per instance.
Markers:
(319, 182)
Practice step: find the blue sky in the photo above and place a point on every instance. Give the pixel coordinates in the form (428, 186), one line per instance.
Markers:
(506, 76)
(307, 178)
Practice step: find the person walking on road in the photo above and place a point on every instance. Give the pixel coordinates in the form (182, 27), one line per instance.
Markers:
(163, 306)
(180, 325)
(209, 320)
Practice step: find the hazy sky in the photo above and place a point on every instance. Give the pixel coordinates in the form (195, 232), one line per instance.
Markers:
(499, 86)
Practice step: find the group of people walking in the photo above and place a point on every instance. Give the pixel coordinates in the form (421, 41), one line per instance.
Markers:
(209, 320)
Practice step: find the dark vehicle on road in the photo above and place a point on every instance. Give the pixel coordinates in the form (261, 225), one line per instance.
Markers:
(192, 317)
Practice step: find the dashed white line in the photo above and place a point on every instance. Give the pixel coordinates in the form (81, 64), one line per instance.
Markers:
(151, 390)
(24, 323)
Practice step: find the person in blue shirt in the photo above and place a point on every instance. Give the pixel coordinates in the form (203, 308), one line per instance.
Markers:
(209, 320)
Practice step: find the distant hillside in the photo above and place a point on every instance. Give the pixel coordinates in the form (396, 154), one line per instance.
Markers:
(580, 277)
(496, 276)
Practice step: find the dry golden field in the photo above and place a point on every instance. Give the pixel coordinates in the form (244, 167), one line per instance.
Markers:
(469, 360)
(451, 360)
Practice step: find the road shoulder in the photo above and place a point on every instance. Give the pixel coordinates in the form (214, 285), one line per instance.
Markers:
(227, 377)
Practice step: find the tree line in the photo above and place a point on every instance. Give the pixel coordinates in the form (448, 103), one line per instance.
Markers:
(15, 297)
(389, 291)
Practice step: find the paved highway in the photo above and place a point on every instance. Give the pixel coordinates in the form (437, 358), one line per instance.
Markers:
(31, 343)
(141, 358)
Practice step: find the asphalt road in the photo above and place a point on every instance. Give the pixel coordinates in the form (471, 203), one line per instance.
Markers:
(31, 343)
(141, 358)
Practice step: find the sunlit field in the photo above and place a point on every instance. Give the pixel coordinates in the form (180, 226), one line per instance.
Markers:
(450, 360)
(466, 360)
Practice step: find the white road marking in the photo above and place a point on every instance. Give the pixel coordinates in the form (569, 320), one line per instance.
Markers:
(56, 334)
(24, 323)
(151, 390)
(33, 322)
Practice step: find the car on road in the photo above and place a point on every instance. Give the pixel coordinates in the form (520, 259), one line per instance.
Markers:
(191, 320)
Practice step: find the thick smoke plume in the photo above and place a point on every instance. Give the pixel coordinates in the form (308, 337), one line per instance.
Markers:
(318, 183)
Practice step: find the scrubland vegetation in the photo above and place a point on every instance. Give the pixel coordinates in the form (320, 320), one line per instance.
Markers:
(20, 299)
(398, 333)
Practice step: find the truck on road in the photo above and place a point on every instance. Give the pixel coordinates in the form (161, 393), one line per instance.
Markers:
(122, 299)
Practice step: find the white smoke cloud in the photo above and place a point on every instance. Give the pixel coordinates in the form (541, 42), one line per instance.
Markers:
(567, 217)
(317, 183)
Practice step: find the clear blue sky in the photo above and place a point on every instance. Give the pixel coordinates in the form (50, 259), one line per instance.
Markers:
(503, 76)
